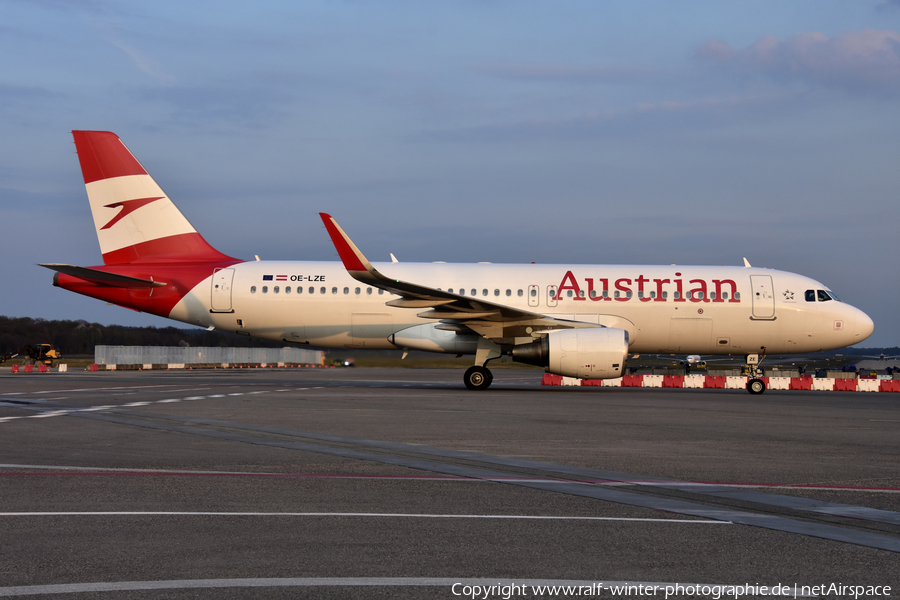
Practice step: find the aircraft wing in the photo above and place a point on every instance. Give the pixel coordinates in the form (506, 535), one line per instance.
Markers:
(494, 321)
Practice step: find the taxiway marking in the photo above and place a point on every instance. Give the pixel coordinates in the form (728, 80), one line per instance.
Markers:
(351, 514)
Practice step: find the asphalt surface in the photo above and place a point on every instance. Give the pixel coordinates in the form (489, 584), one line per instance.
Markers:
(400, 483)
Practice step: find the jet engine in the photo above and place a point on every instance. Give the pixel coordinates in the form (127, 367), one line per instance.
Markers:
(589, 353)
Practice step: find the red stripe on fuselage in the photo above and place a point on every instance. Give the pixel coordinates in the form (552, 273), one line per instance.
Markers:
(182, 248)
(103, 155)
(180, 279)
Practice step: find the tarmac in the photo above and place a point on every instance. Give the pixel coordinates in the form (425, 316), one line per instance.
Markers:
(400, 483)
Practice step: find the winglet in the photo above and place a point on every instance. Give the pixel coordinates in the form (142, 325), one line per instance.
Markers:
(350, 255)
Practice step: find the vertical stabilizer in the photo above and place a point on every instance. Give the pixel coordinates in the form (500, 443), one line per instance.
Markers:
(135, 221)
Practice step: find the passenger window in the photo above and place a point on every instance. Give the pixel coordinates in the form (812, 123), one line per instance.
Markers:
(569, 294)
(737, 295)
(552, 293)
(265, 289)
(322, 290)
(665, 295)
(509, 292)
(252, 289)
(593, 293)
(616, 294)
(724, 295)
(496, 292)
(346, 290)
(810, 295)
(462, 292)
(640, 294)
(287, 289)
(484, 292)
(276, 289)
(299, 290)
(653, 294)
(312, 290)
(450, 290)
(712, 295)
(356, 291)
(628, 294)
(823, 296)
(334, 290)
(380, 291)
(369, 291)
(474, 292)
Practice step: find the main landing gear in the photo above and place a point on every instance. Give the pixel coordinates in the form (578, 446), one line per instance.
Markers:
(478, 378)
(755, 385)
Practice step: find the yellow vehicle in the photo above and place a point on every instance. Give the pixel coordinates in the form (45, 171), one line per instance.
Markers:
(39, 353)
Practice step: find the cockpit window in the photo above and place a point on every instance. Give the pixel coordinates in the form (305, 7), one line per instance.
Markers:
(823, 296)
(833, 295)
(810, 295)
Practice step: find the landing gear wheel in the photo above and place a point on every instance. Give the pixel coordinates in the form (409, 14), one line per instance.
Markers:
(478, 378)
(756, 386)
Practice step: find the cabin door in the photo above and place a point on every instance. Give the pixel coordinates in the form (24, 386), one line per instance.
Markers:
(763, 297)
(221, 290)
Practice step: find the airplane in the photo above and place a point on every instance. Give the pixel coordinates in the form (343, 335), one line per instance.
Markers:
(575, 320)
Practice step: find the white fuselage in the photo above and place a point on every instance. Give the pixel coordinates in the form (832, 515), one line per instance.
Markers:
(665, 309)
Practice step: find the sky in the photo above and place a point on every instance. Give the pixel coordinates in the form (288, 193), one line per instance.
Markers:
(651, 132)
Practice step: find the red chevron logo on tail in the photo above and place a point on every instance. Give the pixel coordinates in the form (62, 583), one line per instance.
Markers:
(128, 207)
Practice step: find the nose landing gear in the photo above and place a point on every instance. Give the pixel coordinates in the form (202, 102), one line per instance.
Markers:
(755, 385)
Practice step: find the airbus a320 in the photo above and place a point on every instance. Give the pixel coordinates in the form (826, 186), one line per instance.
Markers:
(574, 320)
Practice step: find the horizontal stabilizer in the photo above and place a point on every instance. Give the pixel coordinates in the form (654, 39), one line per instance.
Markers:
(104, 278)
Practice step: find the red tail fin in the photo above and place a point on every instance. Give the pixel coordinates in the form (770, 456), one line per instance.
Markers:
(136, 222)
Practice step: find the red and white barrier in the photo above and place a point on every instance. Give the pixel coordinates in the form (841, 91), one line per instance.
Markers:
(730, 382)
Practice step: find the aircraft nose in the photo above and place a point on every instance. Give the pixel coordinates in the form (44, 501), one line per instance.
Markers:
(862, 325)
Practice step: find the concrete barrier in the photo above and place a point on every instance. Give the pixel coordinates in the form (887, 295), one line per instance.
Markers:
(823, 384)
(653, 381)
(695, 381)
(890, 385)
(673, 381)
(845, 385)
(735, 382)
(633, 381)
(779, 383)
(868, 385)
(551, 379)
(730, 382)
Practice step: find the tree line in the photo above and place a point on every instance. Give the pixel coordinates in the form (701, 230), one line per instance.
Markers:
(80, 337)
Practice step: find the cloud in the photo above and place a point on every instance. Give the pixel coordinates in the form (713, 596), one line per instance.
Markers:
(145, 63)
(868, 57)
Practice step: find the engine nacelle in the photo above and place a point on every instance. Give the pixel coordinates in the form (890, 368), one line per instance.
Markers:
(588, 353)
(430, 339)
